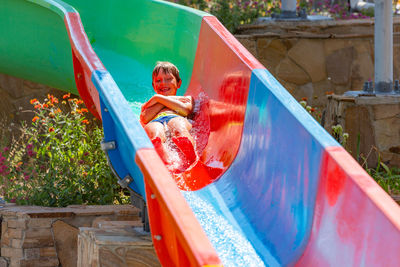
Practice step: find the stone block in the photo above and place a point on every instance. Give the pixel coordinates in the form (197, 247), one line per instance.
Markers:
(12, 85)
(42, 262)
(40, 222)
(38, 242)
(121, 256)
(271, 53)
(99, 220)
(338, 65)
(310, 56)
(16, 253)
(15, 233)
(290, 72)
(66, 237)
(48, 252)
(5, 240)
(6, 106)
(38, 233)
(332, 45)
(14, 263)
(118, 224)
(17, 223)
(31, 253)
(386, 111)
(362, 70)
(16, 243)
(115, 247)
(387, 133)
(3, 262)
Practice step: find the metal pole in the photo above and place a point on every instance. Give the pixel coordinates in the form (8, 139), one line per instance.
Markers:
(288, 8)
(383, 46)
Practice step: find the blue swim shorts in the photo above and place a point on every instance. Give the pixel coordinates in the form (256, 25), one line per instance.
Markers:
(164, 119)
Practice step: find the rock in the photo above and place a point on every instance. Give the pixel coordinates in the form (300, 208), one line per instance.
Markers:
(307, 91)
(249, 44)
(310, 55)
(12, 85)
(66, 238)
(271, 53)
(332, 45)
(362, 70)
(290, 72)
(386, 111)
(115, 247)
(338, 65)
(3, 262)
(387, 131)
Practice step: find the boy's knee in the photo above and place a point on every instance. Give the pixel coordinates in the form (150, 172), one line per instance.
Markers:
(154, 130)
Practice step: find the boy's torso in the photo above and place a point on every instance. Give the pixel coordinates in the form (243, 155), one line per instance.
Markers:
(166, 111)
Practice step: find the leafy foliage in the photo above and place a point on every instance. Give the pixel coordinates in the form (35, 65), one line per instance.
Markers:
(57, 160)
(233, 13)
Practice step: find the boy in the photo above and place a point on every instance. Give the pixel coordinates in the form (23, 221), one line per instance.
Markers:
(166, 111)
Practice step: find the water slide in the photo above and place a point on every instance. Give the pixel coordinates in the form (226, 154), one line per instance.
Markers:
(273, 188)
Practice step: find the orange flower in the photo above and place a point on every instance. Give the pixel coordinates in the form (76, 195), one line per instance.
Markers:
(45, 105)
(51, 129)
(51, 115)
(85, 122)
(84, 110)
(33, 101)
(312, 109)
(304, 99)
(67, 96)
(38, 106)
(35, 118)
(57, 111)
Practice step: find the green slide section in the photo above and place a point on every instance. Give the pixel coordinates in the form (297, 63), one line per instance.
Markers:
(34, 44)
(128, 36)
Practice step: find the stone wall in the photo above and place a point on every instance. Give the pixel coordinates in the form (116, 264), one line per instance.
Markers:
(15, 94)
(40, 236)
(314, 58)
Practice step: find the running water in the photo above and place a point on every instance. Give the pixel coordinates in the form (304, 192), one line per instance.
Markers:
(233, 248)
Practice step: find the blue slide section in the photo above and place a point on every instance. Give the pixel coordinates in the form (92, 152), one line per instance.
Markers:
(265, 201)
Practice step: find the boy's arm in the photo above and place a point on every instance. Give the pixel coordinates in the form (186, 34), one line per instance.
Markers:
(149, 112)
(181, 105)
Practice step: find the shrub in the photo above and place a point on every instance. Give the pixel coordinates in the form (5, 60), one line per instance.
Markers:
(57, 160)
(233, 13)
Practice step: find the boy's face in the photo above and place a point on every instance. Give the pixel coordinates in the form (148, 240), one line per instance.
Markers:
(165, 83)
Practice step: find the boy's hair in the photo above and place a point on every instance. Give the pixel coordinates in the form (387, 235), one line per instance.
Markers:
(167, 67)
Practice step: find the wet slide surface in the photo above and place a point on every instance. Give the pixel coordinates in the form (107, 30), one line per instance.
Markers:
(282, 192)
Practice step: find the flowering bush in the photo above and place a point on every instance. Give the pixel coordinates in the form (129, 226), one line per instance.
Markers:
(58, 160)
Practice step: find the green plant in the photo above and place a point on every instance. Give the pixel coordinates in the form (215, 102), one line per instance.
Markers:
(388, 178)
(315, 112)
(57, 160)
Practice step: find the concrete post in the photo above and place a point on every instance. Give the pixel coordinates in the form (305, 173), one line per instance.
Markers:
(288, 8)
(383, 46)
